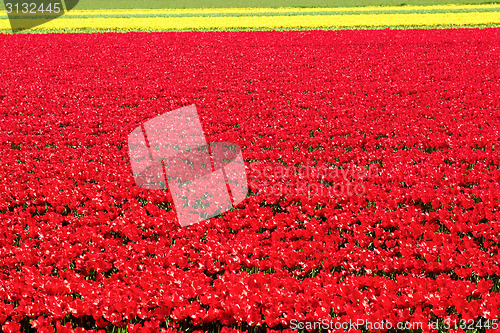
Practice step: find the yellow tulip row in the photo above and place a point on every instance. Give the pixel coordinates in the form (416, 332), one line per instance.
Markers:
(269, 18)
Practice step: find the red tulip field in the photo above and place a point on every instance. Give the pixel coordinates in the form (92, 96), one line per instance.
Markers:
(373, 167)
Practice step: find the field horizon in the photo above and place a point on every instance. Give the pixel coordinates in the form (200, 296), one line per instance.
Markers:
(184, 4)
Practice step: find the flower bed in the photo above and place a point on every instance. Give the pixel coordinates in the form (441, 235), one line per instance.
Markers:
(372, 159)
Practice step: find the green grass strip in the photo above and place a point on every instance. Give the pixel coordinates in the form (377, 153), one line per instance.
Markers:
(180, 4)
(333, 12)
